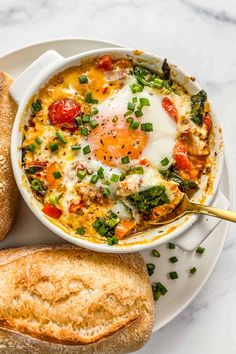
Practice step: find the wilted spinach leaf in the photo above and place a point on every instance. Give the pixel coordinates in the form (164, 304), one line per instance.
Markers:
(197, 107)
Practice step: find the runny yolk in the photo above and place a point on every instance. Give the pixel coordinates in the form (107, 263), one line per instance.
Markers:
(111, 141)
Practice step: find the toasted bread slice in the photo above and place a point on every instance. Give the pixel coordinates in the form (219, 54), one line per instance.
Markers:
(9, 195)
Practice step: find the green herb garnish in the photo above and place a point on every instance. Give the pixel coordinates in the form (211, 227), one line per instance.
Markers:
(173, 259)
(193, 270)
(150, 268)
(56, 174)
(84, 131)
(156, 253)
(86, 150)
(171, 246)
(165, 161)
(75, 147)
(115, 178)
(197, 107)
(80, 230)
(94, 179)
(147, 127)
(61, 137)
(38, 140)
(81, 174)
(173, 275)
(53, 147)
(125, 160)
(146, 200)
(200, 250)
(89, 98)
(86, 118)
(36, 106)
(94, 123)
(31, 147)
(83, 79)
(35, 184)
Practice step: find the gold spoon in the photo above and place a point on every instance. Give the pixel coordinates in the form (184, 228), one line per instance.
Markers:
(186, 207)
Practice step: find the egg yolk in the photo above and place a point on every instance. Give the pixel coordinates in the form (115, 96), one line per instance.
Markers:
(111, 141)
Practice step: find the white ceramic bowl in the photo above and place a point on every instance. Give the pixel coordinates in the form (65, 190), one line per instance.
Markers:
(37, 75)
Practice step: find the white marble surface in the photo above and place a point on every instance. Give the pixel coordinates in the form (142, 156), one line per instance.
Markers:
(199, 36)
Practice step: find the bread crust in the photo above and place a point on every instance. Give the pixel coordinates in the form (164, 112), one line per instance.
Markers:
(97, 311)
(9, 195)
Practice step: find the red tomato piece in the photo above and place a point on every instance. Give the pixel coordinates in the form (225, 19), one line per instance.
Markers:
(180, 155)
(74, 207)
(208, 121)
(63, 111)
(170, 108)
(41, 164)
(52, 211)
(105, 63)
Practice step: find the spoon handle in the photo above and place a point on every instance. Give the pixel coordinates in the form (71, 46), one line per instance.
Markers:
(211, 211)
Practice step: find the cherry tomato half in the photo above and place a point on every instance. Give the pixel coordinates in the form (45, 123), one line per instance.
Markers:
(105, 63)
(52, 211)
(63, 111)
(180, 155)
(170, 108)
(74, 207)
(208, 121)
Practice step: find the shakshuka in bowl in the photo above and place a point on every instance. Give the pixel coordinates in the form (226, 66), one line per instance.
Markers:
(106, 142)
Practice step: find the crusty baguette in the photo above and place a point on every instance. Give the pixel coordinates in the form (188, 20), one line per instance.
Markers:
(9, 195)
(65, 299)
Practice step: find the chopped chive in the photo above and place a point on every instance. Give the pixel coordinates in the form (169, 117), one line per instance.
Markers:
(138, 113)
(83, 79)
(130, 106)
(80, 230)
(144, 101)
(129, 120)
(193, 270)
(53, 198)
(86, 118)
(35, 184)
(106, 193)
(158, 82)
(106, 182)
(122, 176)
(31, 147)
(173, 275)
(135, 99)
(61, 137)
(115, 178)
(112, 241)
(156, 294)
(36, 106)
(94, 179)
(173, 259)
(86, 150)
(125, 160)
(162, 288)
(171, 246)
(165, 161)
(115, 119)
(81, 174)
(102, 230)
(56, 174)
(200, 250)
(100, 173)
(94, 124)
(156, 253)
(147, 127)
(150, 268)
(79, 121)
(76, 147)
(127, 113)
(113, 221)
(89, 98)
(94, 111)
(53, 147)
(136, 88)
(134, 125)
(38, 140)
(84, 131)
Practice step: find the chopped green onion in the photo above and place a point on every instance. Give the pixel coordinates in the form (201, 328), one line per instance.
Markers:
(53, 147)
(100, 173)
(89, 98)
(81, 174)
(165, 161)
(115, 178)
(129, 120)
(162, 288)
(158, 82)
(36, 106)
(31, 147)
(200, 250)
(106, 193)
(102, 230)
(131, 106)
(136, 88)
(83, 79)
(84, 131)
(127, 113)
(94, 179)
(138, 113)
(115, 119)
(171, 246)
(38, 140)
(156, 294)
(94, 111)
(53, 198)
(173, 259)
(79, 121)
(86, 150)
(135, 170)
(125, 160)
(150, 268)
(112, 241)
(122, 176)
(56, 174)
(173, 275)
(80, 230)
(94, 124)
(61, 137)
(113, 221)
(147, 127)
(76, 147)
(134, 125)
(144, 102)
(135, 99)
(193, 270)
(86, 118)
(35, 184)
(156, 253)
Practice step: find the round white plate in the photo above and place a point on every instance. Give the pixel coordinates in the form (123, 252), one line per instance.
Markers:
(28, 230)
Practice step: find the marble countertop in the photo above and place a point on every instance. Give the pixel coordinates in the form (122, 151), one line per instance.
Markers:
(200, 36)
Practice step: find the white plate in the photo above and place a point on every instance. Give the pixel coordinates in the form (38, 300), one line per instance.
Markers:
(28, 230)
